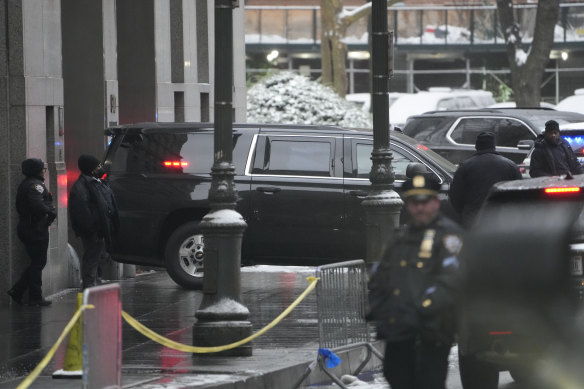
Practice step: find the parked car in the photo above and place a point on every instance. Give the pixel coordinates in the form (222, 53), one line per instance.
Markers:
(300, 190)
(437, 99)
(524, 282)
(574, 134)
(363, 100)
(452, 134)
(574, 103)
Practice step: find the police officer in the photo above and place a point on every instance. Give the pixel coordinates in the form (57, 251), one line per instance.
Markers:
(94, 217)
(413, 291)
(36, 211)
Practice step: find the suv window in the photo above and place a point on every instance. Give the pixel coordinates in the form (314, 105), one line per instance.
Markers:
(296, 157)
(508, 132)
(147, 153)
(399, 164)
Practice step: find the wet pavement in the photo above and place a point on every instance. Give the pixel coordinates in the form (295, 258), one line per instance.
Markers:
(280, 355)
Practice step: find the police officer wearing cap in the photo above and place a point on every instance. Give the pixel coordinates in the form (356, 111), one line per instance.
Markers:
(414, 291)
(94, 217)
(36, 212)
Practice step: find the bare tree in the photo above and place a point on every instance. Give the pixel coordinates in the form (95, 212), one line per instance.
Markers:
(334, 24)
(527, 68)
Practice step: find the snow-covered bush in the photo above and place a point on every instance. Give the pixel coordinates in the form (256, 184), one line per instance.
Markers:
(294, 99)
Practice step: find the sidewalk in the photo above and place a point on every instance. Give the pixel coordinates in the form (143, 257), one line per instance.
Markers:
(280, 356)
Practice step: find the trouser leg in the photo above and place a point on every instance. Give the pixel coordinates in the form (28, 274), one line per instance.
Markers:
(93, 253)
(32, 277)
(433, 365)
(399, 366)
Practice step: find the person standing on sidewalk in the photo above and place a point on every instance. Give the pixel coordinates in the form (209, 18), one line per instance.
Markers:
(413, 291)
(36, 212)
(475, 177)
(552, 155)
(94, 217)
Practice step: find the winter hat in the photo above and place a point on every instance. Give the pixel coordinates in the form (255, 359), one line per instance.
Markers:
(552, 125)
(485, 141)
(87, 163)
(32, 166)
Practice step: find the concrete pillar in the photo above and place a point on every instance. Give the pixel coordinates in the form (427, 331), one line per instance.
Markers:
(31, 107)
(91, 87)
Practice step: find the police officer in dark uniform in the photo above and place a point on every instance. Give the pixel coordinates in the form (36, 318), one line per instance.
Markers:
(94, 217)
(36, 211)
(414, 291)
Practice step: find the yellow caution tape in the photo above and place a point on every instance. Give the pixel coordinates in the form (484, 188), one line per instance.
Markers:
(194, 349)
(37, 370)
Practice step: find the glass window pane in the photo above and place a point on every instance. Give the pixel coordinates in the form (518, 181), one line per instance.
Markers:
(300, 158)
(467, 130)
(509, 132)
(300, 26)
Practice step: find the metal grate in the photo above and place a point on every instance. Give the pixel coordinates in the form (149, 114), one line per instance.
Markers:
(341, 296)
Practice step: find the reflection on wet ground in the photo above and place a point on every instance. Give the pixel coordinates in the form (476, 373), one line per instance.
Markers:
(27, 333)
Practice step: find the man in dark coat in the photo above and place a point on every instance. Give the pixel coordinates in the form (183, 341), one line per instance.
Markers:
(553, 155)
(414, 291)
(94, 217)
(475, 177)
(36, 212)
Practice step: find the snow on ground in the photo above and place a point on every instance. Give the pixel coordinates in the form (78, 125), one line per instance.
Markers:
(290, 98)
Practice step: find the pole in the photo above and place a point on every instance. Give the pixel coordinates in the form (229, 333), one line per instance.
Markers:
(382, 205)
(221, 318)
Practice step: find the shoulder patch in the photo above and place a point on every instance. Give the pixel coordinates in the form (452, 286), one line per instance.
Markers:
(39, 188)
(452, 243)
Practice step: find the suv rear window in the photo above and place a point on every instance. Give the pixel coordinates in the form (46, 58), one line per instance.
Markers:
(423, 129)
(159, 153)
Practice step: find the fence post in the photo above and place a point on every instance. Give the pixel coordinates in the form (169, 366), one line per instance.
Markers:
(102, 337)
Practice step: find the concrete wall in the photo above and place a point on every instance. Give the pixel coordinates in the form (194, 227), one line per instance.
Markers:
(31, 106)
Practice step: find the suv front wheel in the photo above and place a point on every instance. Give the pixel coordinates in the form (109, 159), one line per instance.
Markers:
(184, 255)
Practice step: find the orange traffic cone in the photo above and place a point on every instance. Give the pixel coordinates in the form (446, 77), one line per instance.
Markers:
(73, 365)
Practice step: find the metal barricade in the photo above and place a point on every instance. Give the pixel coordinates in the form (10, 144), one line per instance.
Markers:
(341, 296)
(341, 300)
(102, 338)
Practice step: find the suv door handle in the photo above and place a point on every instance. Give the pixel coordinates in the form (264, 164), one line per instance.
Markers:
(358, 193)
(268, 189)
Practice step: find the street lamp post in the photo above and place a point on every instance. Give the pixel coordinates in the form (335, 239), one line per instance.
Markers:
(383, 204)
(221, 318)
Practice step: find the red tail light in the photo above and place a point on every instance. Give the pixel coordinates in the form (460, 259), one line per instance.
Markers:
(104, 176)
(175, 163)
(562, 190)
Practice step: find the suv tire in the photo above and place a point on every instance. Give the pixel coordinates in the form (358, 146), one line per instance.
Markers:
(184, 256)
(476, 374)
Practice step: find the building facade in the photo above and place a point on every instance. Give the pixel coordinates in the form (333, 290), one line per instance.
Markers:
(71, 68)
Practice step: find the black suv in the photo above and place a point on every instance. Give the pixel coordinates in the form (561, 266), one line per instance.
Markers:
(452, 134)
(524, 282)
(299, 188)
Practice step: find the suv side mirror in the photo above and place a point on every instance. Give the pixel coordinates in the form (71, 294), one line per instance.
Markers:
(525, 144)
(414, 168)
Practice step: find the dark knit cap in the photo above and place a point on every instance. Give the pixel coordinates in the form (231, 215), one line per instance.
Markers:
(87, 163)
(485, 141)
(32, 166)
(552, 125)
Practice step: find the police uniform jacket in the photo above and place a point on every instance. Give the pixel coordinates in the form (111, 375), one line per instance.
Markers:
(93, 210)
(34, 205)
(414, 290)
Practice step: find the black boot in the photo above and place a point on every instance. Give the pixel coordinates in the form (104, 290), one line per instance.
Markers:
(17, 298)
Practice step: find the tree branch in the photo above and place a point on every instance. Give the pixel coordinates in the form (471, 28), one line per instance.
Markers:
(346, 18)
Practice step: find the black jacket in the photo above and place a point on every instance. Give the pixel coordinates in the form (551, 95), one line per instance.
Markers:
(93, 209)
(473, 180)
(544, 162)
(414, 289)
(35, 208)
